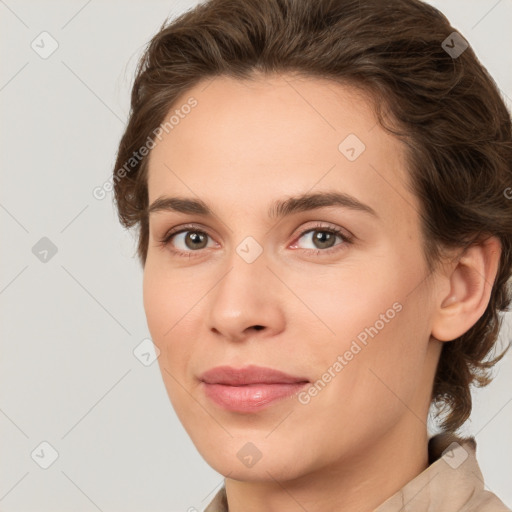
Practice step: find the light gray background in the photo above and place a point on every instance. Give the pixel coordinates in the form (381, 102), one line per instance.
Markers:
(69, 326)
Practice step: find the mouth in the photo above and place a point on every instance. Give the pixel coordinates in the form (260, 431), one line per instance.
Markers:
(249, 389)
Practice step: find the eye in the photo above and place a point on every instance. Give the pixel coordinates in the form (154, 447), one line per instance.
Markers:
(186, 241)
(321, 239)
(190, 240)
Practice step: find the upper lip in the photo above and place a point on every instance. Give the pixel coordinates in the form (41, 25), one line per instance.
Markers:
(248, 375)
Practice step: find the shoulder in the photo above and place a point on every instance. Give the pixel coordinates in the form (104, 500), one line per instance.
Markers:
(485, 501)
(442, 447)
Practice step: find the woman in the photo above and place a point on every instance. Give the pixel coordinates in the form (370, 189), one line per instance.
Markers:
(320, 188)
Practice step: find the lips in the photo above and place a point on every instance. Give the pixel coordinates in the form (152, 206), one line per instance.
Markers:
(249, 389)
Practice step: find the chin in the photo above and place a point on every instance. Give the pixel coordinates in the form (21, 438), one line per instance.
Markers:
(243, 462)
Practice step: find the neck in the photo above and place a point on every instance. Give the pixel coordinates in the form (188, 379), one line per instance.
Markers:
(353, 484)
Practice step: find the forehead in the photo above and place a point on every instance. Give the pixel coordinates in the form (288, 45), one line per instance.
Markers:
(277, 134)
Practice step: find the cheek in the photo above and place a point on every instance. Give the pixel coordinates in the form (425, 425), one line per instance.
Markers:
(168, 302)
(168, 308)
(374, 386)
(352, 299)
(378, 331)
(157, 304)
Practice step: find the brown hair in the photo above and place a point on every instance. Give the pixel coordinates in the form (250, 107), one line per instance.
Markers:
(446, 108)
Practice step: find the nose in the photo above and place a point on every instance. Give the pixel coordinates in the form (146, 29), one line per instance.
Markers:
(247, 302)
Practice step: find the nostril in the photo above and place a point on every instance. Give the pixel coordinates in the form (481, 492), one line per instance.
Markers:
(258, 327)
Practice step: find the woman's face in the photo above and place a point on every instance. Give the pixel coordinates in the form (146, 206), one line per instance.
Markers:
(332, 291)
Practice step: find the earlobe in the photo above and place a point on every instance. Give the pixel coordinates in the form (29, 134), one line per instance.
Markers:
(469, 281)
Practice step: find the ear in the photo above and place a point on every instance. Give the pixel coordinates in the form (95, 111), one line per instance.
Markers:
(469, 281)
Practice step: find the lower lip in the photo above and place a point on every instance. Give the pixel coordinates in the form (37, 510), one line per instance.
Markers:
(252, 397)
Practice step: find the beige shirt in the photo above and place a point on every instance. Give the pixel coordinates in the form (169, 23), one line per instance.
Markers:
(452, 483)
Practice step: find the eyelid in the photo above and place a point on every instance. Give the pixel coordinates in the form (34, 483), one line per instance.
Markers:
(325, 226)
(166, 238)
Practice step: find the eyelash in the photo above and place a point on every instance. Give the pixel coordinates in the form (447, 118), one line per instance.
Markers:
(346, 240)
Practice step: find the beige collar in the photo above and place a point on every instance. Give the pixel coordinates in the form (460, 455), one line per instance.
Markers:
(452, 483)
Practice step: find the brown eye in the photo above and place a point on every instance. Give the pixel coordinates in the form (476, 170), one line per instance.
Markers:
(187, 241)
(324, 238)
(196, 240)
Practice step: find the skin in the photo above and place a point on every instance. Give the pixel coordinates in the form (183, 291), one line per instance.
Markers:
(244, 146)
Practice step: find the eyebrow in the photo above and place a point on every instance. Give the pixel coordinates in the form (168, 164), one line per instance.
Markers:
(278, 209)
